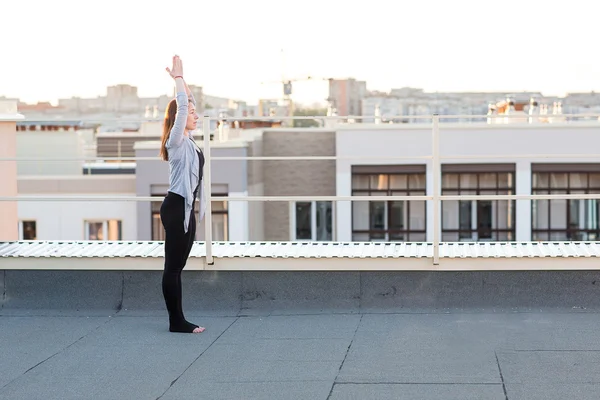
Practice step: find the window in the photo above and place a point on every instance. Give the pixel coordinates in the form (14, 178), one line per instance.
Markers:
(27, 230)
(565, 219)
(158, 231)
(389, 220)
(220, 220)
(103, 230)
(312, 220)
(478, 220)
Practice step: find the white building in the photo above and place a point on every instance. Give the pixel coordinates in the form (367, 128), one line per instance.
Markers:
(52, 139)
(477, 159)
(112, 219)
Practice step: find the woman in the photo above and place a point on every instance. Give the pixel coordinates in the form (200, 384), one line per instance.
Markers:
(177, 211)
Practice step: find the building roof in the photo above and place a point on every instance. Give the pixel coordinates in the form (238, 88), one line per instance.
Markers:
(61, 122)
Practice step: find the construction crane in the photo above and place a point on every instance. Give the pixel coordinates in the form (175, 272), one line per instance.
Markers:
(287, 85)
(287, 90)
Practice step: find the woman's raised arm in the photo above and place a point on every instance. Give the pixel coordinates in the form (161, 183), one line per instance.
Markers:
(181, 97)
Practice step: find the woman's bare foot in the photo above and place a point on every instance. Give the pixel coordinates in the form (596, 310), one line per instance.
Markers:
(185, 327)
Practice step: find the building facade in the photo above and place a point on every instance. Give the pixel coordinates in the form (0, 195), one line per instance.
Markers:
(346, 95)
(374, 160)
(298, 220)
(110, 219)
(228, 178)
(476, 159)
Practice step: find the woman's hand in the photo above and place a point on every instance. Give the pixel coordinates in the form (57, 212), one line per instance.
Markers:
(177, 69)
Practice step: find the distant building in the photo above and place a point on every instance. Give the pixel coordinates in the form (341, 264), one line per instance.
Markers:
(402, 105)
(346, 95)
(52, 139)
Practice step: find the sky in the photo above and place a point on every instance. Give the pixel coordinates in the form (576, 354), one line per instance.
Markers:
(233, 48)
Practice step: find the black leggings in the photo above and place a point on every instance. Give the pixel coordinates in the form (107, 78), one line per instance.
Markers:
(178, 245)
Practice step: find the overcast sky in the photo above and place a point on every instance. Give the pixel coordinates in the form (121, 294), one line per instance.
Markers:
(60, 48)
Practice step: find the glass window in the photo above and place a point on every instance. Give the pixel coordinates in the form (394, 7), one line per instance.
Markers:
(465, 219)
(398, 182)
(594, 180)
(450, 181)
(27, 230)
(313, 220)
(324, 223)
(578, 181)
(540, 180)
(505, 180)
(477, 220)
(303, 221)
(360, 215)
(488, 181)
(158, 231)
(559, 181)
(103, 230)
(468, 181)
(416, 181)
(95, 231)
(563, 219)
(379, 182)
(389, 220)
(360, 182)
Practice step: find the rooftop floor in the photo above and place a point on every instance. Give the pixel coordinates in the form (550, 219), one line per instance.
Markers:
(87, 321)
(457, 355)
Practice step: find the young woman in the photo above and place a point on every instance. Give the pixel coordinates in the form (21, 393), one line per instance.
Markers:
(177, 211)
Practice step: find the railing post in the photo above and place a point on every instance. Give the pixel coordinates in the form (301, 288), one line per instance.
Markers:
(436, 171)
(206, 177)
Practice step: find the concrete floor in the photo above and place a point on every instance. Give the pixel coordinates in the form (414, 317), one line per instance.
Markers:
(417, 355)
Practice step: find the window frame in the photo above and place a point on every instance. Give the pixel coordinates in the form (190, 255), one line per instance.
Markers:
(475, 232)
(21, 229)
(225, 212)
(571, 234)
(385, 235)
(313, 221)
(86, 228)
(155, 212)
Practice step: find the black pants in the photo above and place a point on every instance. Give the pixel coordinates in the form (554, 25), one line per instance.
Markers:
(178, 245)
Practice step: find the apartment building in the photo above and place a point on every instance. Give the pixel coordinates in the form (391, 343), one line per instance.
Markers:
(477, 158)
(346, 96)
(110, 219)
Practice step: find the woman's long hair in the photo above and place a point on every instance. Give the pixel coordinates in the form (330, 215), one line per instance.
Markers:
(170, 113)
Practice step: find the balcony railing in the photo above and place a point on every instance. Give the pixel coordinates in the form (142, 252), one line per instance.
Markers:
(435, 158)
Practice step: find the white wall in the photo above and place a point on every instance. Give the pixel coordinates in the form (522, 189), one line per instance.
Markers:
(64, 220)
(238, 218)
(50, 144)
(461, 140)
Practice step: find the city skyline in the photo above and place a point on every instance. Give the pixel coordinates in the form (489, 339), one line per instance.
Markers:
(307, 102)
(437, 46)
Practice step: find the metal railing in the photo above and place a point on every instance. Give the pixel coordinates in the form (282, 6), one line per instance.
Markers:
(436, 197)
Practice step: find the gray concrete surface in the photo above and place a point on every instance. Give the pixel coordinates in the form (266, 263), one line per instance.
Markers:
(414, 355)
(260, 292)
